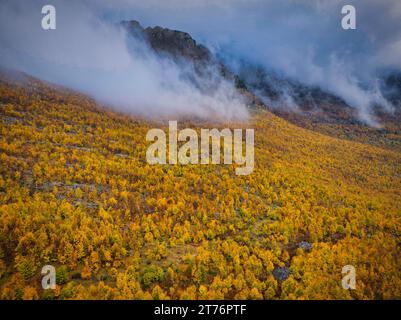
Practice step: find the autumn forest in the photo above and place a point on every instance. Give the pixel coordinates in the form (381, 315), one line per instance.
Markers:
(77, 193)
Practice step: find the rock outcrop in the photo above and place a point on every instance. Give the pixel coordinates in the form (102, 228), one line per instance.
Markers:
(175, 43)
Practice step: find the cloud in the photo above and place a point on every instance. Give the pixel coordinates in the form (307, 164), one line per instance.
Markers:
(89, 53)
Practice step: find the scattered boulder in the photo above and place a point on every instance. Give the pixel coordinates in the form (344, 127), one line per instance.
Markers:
(306, 246)
(9, 120)
(281, 273)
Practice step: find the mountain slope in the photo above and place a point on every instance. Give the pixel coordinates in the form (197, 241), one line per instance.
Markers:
(76, 192)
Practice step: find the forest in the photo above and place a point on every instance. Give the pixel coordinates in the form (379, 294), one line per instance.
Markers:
(77, 193)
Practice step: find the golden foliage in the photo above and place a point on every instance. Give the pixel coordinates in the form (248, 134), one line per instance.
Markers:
(76, 192)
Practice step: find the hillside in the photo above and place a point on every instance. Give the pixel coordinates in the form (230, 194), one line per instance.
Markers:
(76, 192)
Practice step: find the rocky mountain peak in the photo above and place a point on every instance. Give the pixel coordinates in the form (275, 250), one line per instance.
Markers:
(176, 43)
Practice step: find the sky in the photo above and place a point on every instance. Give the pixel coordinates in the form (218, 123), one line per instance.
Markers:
(303, 40)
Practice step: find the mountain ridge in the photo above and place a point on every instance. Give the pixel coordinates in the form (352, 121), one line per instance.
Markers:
(307, 106)
(311, 100)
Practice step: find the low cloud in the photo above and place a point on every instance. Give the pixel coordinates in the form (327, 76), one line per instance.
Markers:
(96, 56)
